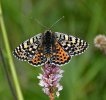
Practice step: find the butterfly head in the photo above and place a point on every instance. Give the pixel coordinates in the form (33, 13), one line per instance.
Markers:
(47, 32)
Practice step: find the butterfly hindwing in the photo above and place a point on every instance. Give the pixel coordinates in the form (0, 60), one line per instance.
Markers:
(39, 59)
(72, 45)
(59, 57)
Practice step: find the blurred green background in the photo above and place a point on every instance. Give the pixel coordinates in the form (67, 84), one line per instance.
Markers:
(85, 76)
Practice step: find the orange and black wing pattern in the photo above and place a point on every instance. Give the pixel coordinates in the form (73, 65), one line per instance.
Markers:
(72, 45)
(38, 60)
(59, 57)
(28, 51)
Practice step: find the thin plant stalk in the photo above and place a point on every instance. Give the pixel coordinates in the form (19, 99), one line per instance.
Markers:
(51, 96)
(6, 72)
(9, 57)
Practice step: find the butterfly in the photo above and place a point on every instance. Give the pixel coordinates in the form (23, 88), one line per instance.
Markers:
(50, 48)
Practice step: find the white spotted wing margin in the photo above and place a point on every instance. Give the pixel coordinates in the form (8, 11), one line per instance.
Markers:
(27, 50)
(72, 45)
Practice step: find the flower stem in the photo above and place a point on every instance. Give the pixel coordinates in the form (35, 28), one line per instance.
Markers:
(51, 96)
(9, 57)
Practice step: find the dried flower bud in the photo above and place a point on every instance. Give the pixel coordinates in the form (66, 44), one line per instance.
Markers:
(50, 78)
(100, 42)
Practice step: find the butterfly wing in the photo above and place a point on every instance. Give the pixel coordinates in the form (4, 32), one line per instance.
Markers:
(59, 57)
(38, 60)
(28, 51)
(72, 45)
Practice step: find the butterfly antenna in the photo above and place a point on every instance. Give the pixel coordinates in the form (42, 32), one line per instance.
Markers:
(56, 22)
(40, 23)
(35, 19)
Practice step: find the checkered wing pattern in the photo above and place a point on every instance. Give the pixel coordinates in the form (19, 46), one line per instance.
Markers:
(28, 51)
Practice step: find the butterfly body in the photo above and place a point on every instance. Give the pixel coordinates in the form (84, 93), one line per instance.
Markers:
(48, 42)
(50, 47)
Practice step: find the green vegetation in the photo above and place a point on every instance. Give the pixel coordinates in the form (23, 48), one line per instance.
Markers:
(84, 77)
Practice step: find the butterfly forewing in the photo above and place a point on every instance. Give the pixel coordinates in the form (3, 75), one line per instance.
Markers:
(72, 45)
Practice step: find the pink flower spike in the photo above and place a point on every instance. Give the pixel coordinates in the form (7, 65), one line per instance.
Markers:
(49, 79)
